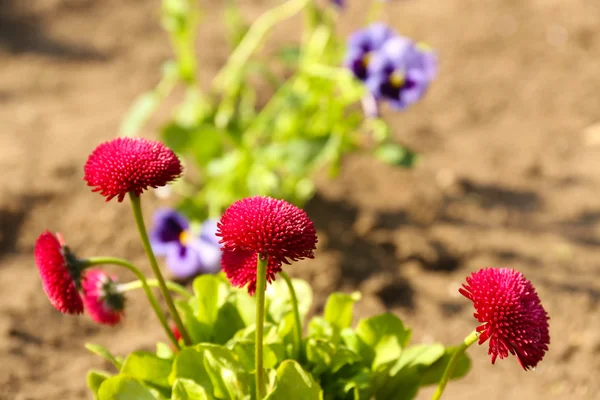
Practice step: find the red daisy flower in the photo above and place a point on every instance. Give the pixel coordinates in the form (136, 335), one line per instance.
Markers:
(103, 301)
(513, 317)
(125, 165)
(59, 273)
(268, 226)
(262, 225)
(240, 268)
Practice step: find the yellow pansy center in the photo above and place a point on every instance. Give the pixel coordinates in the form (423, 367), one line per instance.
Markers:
(184, 237)
(397, 79)
(366, 59)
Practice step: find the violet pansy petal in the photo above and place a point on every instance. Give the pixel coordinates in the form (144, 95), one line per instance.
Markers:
(209, 255)
(209, 232)
(166, 230)
(183, 262)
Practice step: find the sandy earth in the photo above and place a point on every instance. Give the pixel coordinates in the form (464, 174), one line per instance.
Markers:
(509, 177)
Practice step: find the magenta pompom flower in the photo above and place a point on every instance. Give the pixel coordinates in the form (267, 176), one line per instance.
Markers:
(513, 317)
(267, 227)
(130, 165)
(103, 301)
(59, 272)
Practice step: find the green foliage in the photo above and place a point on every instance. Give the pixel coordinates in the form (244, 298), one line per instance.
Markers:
(268, 123)
(337, 362)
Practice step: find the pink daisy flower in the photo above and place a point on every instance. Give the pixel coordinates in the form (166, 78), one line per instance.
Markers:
(512, 316)
(103, 301)
(59, 273)
(267, 227)
(125, 165)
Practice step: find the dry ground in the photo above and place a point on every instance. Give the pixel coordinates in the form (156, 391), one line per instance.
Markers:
(510, 177)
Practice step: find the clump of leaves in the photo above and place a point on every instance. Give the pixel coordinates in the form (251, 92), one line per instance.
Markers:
(334, 360)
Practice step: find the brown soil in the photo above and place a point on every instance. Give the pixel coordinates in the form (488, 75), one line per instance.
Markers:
(509, 177)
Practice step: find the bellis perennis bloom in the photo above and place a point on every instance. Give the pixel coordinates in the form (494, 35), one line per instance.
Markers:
(130, 165)
(512, 316)
(188, 253)
(393, 67)
(59, 272)
(103, 301)
(267, 227)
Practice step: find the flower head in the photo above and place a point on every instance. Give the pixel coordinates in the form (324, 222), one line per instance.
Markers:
(362, 45)
(401, 72)
(240, 268)
(59, 272)
(187, 253)
(267, 227)
(130, 165)
(513, 317)
(103, 301)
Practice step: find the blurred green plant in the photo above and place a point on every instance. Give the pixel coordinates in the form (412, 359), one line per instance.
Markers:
(239, 146)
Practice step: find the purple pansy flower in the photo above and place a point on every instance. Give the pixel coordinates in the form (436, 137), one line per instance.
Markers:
(362, 45)
(187, 253)
(401, 72)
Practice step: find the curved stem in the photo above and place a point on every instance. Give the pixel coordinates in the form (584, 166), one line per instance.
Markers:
(469, 340)
(144, 284)
(139, 220)
(173, 287)
(261, 283)
(294, 298)
(239, 58)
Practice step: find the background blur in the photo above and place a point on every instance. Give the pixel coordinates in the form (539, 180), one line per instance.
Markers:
(510, 176)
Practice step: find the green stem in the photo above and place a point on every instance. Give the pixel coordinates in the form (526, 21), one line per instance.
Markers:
(469, 340)
(261, 283)
(298, 321)
(144, 284)
(139, 220)
(173, 287)
(238, 59)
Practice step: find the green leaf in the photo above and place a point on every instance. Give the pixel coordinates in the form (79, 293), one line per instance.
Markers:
(213, 367)
(148, 368)
(402, 380)
(104, 353)
(186, 389)
(294, 383)
(122, 387)
(421, 356)
(382, 337)
(394, 154)
(245, 305)
(318, 327)
(433, 374)
(229, 379)
(273, 353)
(94, 379)
(279, 302)
(189, 364)
(343, 357)
(403, 386)
(210, 293)
(199, 331)
(165, 351)
(339, 308)
(320, 354)
(228, 322)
